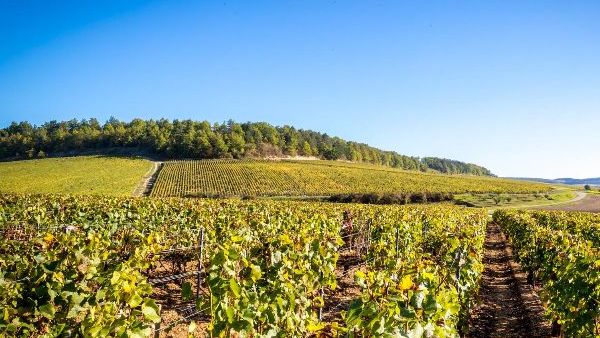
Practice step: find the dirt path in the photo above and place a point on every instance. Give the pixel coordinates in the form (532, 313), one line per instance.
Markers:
(584, 202)
(145, 186)
(508, 307)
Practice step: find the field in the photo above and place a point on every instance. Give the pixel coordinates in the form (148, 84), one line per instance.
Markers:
(315, 178)
(494, 200)
(79, 263)
(98, 266)
(96, 175)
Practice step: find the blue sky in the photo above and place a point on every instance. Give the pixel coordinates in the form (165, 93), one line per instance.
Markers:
(511, 85)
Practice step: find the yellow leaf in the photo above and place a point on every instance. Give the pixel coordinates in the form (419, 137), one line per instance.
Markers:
(48, 238)
(285, 239)
(127, 287)
(406, 283)
(314, 327)
(192, 327)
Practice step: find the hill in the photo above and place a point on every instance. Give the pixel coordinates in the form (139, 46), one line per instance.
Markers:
(94, 175)
(567, 180)
(189, 139)
(315, 178)
(576, 181)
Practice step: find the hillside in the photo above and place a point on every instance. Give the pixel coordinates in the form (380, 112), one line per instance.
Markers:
(187, 139)
(315, 178)
(94, 175)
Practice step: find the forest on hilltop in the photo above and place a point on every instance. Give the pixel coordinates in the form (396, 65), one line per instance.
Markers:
(187, 139)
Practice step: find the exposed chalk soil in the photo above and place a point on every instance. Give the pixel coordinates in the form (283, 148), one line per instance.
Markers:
(147, 183)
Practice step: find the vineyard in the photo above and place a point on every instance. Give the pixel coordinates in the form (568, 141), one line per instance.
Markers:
(90, 175)
(559, 251)
(98, 266)
(315, 178)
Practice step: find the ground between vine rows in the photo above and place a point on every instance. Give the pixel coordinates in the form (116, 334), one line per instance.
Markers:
(507, 306)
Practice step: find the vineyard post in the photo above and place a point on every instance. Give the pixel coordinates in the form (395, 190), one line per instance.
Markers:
(322, 294)
(458, 257)
(157, 325)
(397, 238)
(200, 248)
(368, 237)
(531, 275)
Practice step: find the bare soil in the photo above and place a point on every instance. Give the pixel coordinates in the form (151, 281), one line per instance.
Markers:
(339, 300)
(590, 203)
(177, 314)
(507, 306)
(144, 188)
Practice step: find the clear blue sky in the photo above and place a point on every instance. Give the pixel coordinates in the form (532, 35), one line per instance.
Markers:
(511, 85)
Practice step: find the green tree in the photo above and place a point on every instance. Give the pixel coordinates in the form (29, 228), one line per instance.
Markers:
(306, 150)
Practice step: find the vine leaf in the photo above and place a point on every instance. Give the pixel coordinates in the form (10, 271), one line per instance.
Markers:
(150, 311)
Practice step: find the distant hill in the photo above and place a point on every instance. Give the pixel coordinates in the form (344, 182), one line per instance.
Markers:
(565, 180)
(187, 139)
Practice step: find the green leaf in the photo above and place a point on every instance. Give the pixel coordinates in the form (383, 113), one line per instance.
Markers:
(139, 333)
(186, 291)
(353, 314)
(232, 254)
(51, 292)
(115, 277)
(47, 310)
(359, 278)
(430, 305)
(379, 325)
(150, 311)
(74, 311)
(256, 273)
(100, 294)
(77, 298)
(235, 287)
(135, 300)
(95, 330)
(230, 314)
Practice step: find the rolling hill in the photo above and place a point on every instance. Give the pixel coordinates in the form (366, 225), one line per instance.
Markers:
(316, 178)
(187, 139)
(227, 159)
(119, 176)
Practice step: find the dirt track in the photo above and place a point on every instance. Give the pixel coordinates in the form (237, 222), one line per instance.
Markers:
(507, 306)
(144, 188)
(590, 203)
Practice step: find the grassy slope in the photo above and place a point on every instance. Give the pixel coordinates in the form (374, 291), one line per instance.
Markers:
(74, 175)
(314, 178)
(557, 196)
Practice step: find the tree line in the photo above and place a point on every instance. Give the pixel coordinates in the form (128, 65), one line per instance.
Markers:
(179, 139)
